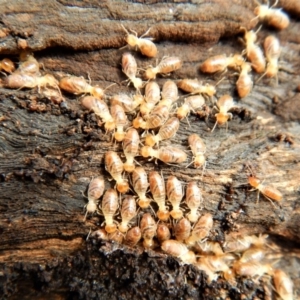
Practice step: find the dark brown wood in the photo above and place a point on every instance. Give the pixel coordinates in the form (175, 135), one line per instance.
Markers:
(49, 154)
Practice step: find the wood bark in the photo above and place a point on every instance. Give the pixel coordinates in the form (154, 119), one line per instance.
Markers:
(50, 153)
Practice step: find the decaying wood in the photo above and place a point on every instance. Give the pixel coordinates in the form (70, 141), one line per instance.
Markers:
(49, 155)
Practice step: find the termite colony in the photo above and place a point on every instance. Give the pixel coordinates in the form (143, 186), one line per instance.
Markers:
(175, 222)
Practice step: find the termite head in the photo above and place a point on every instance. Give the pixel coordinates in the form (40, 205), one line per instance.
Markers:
(138, 98)
(131, 40)
(238, 59)
(150, 140)
(144, 203)
(146, 151)
(250, 36)
(176, 214)
(129, 166)
(137, 122)
(91, 207)
(111, 228)
(272, 70)
(150, 74)
(119, 136)
(253, 181)
(137, 83)
(222, 118)
(97, 92)
(7, 65)
(110, 125)
(123, 187)
(182, 112)
(163, 215)
(261, 11)
(210, 90)
(199, 161)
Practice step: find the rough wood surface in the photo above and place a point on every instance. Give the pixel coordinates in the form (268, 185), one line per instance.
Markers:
(48, 156)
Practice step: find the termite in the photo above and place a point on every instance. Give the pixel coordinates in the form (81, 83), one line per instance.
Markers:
(201, 229)
(253, 254)
(128, 103)
(100, 108)
(129, 68)
(109, 207)
(152, 97)
(158, 191)
(194, 86)
(145, 45)
(272, 50)
(116, 236)
(254, 52)
(252, 269)
(208, 248)
(169, 94)
(179, 250)
(245, 83)
(191, 103)
(224, 104)
(175, 195)
(128, 212)
(167, 154)
(115, 167)
(272, 16)
(182, 229)
(133, 236)
(130, 148)
(269, 192)
(193, 200)
(198, 149)
(166, 66)
(219, 63)
(140, 185)
(213, 264)
(95, 191)
(155, 119)
(78, 85)
(166, 131)
(7, 65)
(28, 64)
(121, 121)
(243, 243)
(148, 229)
(22, 80)
(163, 232)
(283, 285)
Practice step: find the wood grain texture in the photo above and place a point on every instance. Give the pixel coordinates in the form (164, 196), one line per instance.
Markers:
(48, 157)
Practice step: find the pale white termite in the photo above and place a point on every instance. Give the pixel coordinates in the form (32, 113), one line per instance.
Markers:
(115, 168)
(100, 108)
(120, 119)
(158, 191)
(193, 200)
(169, 94)
(244, 83)
(175, 195)
(152, 97)
(274, 17)
(133, 236)
(198, 149)
(140, 185)
(145, 45)
(201, 229)
(130, 148)
(283, 285)
(109, 207)
(179, 250)
(166, 131)
(194, 86)
(128, 212)
(182, 229)
(167, 154)
(129, 68)
(191, 103)
(166, 66)
(148, 229)
(95, 191)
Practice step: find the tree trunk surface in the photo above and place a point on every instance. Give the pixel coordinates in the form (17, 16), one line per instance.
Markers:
(49, 152)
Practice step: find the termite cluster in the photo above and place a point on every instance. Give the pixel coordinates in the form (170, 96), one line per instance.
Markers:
(148, 210)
